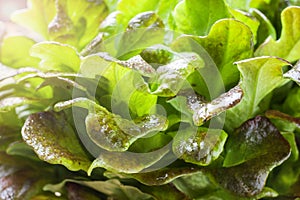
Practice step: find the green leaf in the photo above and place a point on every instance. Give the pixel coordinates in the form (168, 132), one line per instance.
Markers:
(8, 135)
(195, 185)
(157, 54)
(151, 143)
(166, 192)
(197, 17)
(112, 5)
(113, 188)
(259, 76)
(131, 8)
(144, 30)
(252, 152)
(199, 146)
(290, 137)
(285, 179)
(20, 148)
(255, 138)
(265, 28)
(99, 65)
(222, 194)
(139, 64)
(128, 162)
(114, 74)
(47, 197)
(292, 102)
(165, 11)
(56, 56)
(288, 46)
(76, 23)
(274, 114)
(37, 16)
(112, 25)
(222, 50)
(241, 4)
(113, 133)
(14, 52)
(145, 20)
(10, 120)
(191, 104)
(199, 186)
(164, 175)
(61, 145)
(132, 101)
(248, 20)
(170, 78)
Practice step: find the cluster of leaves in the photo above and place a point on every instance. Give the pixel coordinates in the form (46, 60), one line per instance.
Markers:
(139, 99)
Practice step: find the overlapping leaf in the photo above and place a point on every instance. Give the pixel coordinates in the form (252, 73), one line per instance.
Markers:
(222, 50)
(259, 76)
(199, 146)
(287, 47)
(197, 17)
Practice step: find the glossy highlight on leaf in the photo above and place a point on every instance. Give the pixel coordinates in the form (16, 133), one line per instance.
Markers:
(294, 73)
(61, 147)
(199, 146)
(11, 102)
(199, 110)
(205, 111)
(169, 78)
(252, 152)
(113, 133)
(150, 99)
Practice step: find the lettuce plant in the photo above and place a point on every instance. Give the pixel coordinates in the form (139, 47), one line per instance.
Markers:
(128, 99)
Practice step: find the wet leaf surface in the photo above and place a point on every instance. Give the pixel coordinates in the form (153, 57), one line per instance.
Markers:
(294, 73)
(199, 110)
(61, 146)
(205, 111)
(114, 133)
(170, 78)
(199, 146)
(252, 152)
